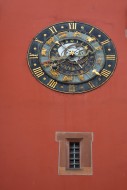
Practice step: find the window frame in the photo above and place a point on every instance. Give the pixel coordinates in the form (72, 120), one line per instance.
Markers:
(68, 153)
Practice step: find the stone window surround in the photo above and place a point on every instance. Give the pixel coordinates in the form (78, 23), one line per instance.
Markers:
(85, 139)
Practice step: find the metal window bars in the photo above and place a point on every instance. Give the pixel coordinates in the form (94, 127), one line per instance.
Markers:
(74, 160)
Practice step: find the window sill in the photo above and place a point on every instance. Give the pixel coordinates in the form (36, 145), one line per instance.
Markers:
(83, 171)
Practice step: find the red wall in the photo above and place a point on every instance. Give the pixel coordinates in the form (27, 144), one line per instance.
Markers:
(31, 113)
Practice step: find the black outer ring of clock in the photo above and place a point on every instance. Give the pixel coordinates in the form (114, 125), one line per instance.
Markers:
(92, 84)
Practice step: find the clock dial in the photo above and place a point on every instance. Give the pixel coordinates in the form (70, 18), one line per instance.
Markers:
(72, 57)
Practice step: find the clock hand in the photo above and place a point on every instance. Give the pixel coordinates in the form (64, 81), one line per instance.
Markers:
(55, 61)
(96, 72)
(79, 64)
(60, 58)
(87, 53)
(59, 43)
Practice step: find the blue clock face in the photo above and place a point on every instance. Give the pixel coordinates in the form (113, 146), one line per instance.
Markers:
(72, 57)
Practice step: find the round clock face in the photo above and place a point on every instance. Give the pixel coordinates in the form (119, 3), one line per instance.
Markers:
(72, 57)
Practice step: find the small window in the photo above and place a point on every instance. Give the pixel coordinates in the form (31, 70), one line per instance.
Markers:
(75, 153)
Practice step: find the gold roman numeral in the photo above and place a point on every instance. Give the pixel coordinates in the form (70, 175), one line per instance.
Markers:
(52, 83)
(91, 84)
(53, 29)
(38, 72)
(105, 42)
(72, 88)
(39, 41)
(110, 57)
(33, 56)
(91, 30)
(105, 73)
(72, 26)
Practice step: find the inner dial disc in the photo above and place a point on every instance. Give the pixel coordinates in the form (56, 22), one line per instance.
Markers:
(72, 59)
(76, 62)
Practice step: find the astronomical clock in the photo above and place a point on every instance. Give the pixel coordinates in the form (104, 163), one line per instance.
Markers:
(72, 57)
